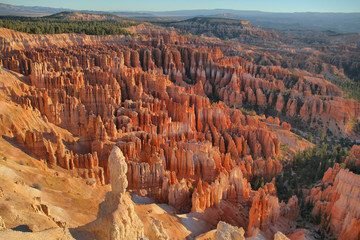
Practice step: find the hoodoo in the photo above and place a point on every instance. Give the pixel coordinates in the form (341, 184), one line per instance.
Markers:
(206, 127)
(116, 218)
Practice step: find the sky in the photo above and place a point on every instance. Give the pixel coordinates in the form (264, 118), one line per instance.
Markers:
(164, 5)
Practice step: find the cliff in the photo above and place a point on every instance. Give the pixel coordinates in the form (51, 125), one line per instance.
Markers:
(337, 203)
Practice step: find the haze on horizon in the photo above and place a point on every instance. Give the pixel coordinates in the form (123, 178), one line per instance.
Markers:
(345, 6)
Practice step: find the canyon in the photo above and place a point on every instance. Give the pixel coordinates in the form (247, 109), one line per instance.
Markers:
(168, 117)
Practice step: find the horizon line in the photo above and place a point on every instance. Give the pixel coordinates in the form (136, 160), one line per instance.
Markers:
(178, 10)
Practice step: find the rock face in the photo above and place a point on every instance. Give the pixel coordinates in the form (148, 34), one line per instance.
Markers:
(118, 172)
(300, 234)
(355, 151)
(338, 202)
(354, 158)
(116, 217)
(280, 236)
(266, 211)
(157, 231)
(225, 231)
(2, 224)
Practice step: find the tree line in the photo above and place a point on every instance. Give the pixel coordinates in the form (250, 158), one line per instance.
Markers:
(36, 25)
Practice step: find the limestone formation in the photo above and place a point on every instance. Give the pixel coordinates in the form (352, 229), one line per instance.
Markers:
(225, 231)
(280, 236)
(157, 231)
(116, 217)
(2, 224)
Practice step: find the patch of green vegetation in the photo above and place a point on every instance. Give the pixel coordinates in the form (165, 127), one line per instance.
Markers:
(41, 25)
(297, 122)
(351, 165)
(355, 125)
(247, 111)
(350, 88)
(285, 148)
(257, 182)
(306, 168)
(310, 137)
(299, 137)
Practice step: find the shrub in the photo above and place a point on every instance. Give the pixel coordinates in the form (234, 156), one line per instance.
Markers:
(246, 111)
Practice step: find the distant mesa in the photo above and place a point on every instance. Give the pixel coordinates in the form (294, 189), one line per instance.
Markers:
(84, 16)
(223, 28)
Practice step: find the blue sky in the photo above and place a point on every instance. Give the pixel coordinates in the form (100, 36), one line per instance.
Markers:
(162, 5)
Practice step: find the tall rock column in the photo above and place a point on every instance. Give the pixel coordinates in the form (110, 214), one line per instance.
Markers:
(116, 219)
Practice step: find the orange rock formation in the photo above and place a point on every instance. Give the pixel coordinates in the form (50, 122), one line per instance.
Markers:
(338, 202)
(156, 98)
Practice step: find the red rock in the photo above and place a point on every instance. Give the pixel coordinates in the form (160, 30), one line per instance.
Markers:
(260, 97)
(354, 158)
(339, 202)
(280, 103)
(151, 96)
(179, 196)
(286, 125)
(35, 142)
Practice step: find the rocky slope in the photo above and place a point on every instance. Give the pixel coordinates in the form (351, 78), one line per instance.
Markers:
(337, 203)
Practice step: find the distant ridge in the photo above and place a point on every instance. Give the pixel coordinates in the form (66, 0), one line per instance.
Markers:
(7, 9)
(223, 28)
(338, 22)
(84, 16)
